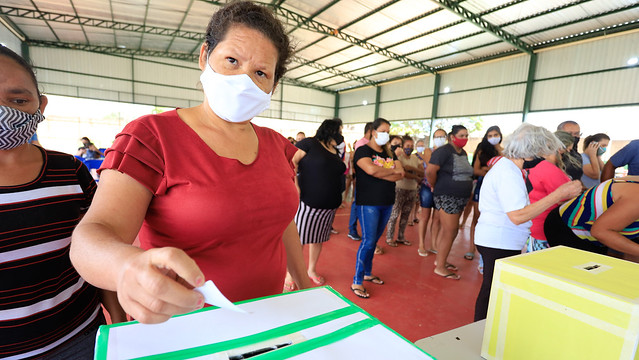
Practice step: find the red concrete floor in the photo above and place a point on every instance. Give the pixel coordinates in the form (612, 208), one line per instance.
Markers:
(413, 301)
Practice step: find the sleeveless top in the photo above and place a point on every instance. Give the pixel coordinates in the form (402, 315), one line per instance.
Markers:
(580, 213)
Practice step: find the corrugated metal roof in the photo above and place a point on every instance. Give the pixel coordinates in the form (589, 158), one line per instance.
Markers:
(341, 43)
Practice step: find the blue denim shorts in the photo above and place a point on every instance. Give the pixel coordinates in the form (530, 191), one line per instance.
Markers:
(425, 196)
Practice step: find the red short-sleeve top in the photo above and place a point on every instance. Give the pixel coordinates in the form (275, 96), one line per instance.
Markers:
(228, 216)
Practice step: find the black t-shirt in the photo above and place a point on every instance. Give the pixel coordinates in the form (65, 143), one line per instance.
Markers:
(455, 175)
(370, 190)
(320, 175)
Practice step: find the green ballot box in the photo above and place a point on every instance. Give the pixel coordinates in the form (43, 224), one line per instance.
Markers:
(563, 303)
(316, 323)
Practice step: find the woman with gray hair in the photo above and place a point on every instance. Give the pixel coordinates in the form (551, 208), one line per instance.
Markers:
(506, 212)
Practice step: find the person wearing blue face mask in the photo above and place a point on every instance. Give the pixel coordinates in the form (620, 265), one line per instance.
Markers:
(594, 147)
(377, 171)
(46, 309)
(405, 192)
(173, 178)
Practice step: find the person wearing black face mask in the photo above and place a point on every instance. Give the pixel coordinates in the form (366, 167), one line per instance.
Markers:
(320, 184)
(405, 190)
(572, 169)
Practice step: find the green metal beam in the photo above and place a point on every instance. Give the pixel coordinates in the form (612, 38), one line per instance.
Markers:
(143, 29)
(352, 22)
(101, 23)
(186, 13)
(532, 68)
(115, 35)
(321, 28)
(110, 50)
(628, 25)
(336, 112)
(81, 27)
(477, 20)
(368, 38)
(333, 71)
(315, 14)
(625, 27)
(46, 22)
(146, 15)
(491, 10)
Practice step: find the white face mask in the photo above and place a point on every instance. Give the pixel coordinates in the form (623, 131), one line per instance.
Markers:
(382, 138)
(420, 149)
(494, 140)
(234, 98)
(437, 142)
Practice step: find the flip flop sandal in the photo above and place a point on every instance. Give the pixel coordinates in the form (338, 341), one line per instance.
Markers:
(375, 280)
(451, 267)
(319, 280)
(391, 243)
(379, 251)
(433, 251)
(360, 292)
(451, 276)
(404, 242)
(469, 256)
(422, 253)
(289, 286)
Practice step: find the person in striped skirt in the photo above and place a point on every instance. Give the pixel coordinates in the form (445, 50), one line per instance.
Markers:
(46, 309)
(320, 170)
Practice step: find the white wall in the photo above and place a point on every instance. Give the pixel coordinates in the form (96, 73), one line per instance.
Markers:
(352, 108)
(593, 73)
(156, 81)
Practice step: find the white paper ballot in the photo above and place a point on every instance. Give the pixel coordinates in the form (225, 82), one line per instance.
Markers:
(213, 296)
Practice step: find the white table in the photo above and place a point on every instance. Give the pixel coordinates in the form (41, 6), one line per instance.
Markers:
(458, 344)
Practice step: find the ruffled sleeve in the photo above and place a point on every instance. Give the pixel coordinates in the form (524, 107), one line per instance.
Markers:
(137, 152)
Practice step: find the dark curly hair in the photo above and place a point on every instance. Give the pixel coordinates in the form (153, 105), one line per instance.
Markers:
(5, 51)
(256, 17)
(328, 129)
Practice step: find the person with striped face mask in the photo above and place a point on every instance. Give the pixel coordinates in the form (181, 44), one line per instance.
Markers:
(49, 311)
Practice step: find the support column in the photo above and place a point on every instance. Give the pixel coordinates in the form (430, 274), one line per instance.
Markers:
(378, 94)
(433, 113)
(24, 49)
(336, 112)
(281, 101)
(530, 82)
(133, 80)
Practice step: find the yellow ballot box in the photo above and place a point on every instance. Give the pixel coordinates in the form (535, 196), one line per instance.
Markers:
(316, 323)
(563, 303)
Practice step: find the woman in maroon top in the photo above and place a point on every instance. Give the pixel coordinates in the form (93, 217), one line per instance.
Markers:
(173, 178)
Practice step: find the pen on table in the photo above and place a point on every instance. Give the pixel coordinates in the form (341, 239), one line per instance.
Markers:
(256, 352)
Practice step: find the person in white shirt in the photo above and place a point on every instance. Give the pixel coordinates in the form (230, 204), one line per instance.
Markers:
(506, 213)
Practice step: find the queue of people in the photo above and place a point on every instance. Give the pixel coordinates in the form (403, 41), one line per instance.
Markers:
(81, 254)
